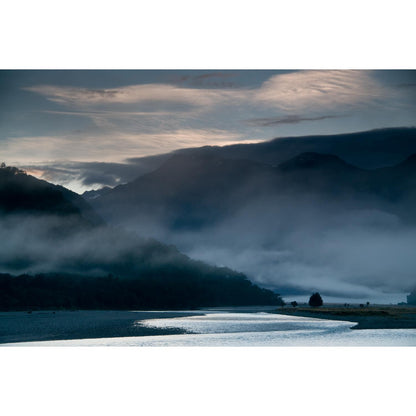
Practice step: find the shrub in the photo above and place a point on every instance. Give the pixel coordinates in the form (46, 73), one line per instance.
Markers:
(315, 300)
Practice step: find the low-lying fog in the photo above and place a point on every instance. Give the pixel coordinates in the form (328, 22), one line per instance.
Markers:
(347, 255)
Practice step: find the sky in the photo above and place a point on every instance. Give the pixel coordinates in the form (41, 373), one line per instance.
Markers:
(58, 124)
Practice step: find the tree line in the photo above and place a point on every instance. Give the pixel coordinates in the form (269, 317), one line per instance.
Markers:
(162, 291)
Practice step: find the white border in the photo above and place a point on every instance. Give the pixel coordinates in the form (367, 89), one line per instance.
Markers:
(186, 34)
(206, 381)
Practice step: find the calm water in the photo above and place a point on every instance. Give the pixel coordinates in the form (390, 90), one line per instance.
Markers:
(217, 328)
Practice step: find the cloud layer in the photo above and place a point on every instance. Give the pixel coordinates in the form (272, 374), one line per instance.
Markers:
(298, 91)
(306, 90)
(293, 119)
(149, 94)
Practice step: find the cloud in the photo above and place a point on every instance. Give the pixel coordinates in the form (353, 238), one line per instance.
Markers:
(136, 94)
(302, 90)
(310, 93)
(114, 114)
(311, 90)
(111, 147)
(292, 119)
(34, 245)
(80, 175)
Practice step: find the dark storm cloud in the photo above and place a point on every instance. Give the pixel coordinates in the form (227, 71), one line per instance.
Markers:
(291, 119)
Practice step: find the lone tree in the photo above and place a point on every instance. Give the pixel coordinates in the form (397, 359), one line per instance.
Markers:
(315, 300)
(294, 304)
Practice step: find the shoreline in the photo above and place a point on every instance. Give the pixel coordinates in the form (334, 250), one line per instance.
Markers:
(369, 317)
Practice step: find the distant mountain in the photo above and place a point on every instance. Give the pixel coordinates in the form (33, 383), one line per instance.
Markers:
(199, 188)
(185, 190)
(313, 160)
(368, 149)
(24, 194)
(95, 193)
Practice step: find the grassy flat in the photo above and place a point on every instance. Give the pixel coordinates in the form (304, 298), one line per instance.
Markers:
(368, 317)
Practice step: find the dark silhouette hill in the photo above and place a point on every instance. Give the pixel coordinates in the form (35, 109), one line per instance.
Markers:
(199, 188)
(185, 190)
(369, 150)
(22, 193)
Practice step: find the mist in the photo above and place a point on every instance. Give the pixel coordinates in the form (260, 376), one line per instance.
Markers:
(302, 244)
(47, 243)
(54, 262)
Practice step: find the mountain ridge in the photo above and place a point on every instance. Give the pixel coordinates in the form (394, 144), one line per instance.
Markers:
(23, 193)
(200, 185)
(371, 149)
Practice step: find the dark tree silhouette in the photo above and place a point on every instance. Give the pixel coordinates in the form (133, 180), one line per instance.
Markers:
(294, 304)
(162, 288)
(315, 300)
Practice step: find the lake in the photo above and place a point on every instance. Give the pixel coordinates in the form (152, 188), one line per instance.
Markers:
(241, 328)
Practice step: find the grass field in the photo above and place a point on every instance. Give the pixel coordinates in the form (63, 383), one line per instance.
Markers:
(367, 317)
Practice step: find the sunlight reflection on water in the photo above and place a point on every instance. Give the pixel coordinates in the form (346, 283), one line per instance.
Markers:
(221, 323)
